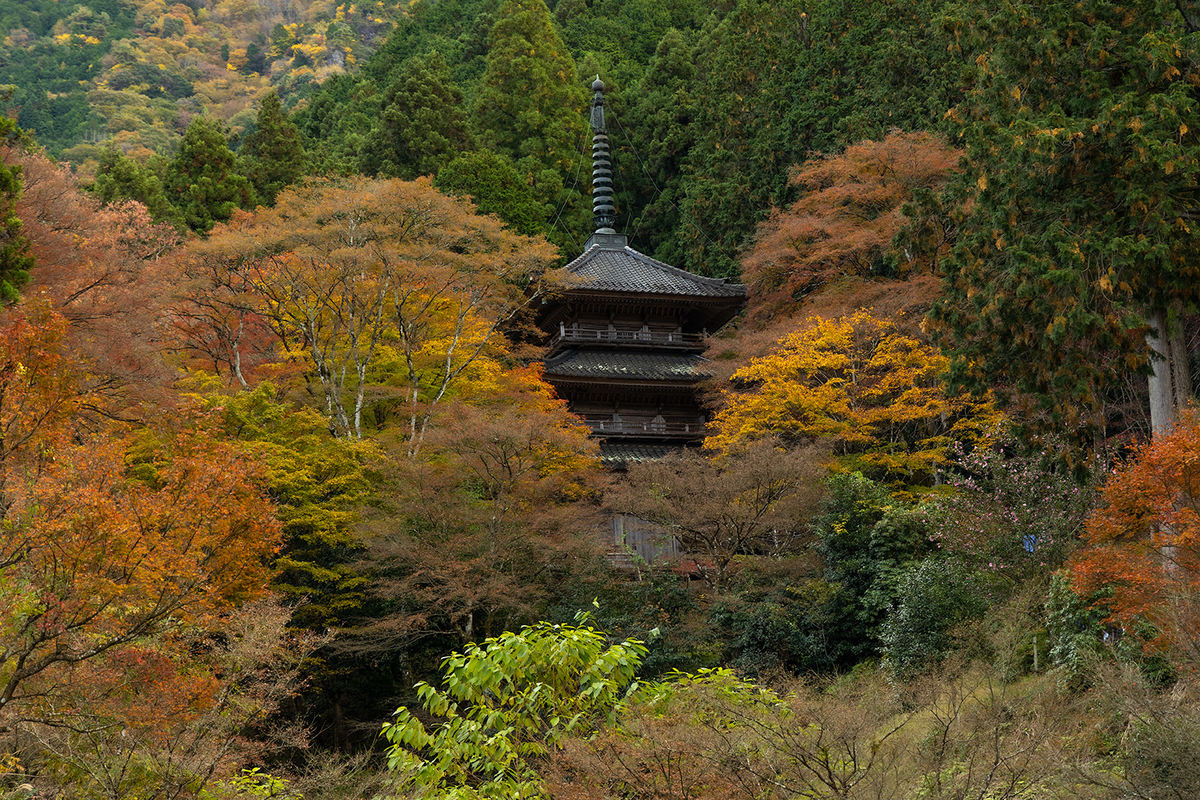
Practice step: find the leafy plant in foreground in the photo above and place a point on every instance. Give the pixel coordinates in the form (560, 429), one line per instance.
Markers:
(505, 703)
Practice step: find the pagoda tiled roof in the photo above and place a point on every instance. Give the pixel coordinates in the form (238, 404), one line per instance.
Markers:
(618, 454)
(627, 270)
(629, 366)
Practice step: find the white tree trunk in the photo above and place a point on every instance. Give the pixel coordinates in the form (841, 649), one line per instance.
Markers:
(1162, 387)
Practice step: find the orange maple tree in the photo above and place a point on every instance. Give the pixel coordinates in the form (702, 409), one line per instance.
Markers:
(1143, 541)
(100, 268)
(106, 535)
(850, 209)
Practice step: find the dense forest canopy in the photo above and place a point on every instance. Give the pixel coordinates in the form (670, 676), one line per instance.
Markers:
(288, 508)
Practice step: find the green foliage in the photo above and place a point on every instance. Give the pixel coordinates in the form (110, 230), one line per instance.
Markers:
(153, 81)
(495, 186)
(779, 626)
(274, 151)
(423, 124)
(458, 29)
(252, 783)
(336, 122)
(764, 87)
(530, 104)
(506, 702)
(342, 114)
(119, 177)
(1075, 202)
(625, 33)
(203, 180)
(15, 261)
(656, 600)
(657, 135)
(867, 540)
(870, 68)
(800, 619)
(934, 596)
(317, 481)
(739, 162)
(1076, 627)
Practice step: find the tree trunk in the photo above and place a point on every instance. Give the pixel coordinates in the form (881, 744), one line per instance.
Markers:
(1181, 372)
(1162, 391)
(1170, 390)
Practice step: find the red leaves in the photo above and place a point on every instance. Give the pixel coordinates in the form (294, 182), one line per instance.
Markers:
(106, 536)
(98, 267)
(1144, 541)
(844, 222)
(38, 384)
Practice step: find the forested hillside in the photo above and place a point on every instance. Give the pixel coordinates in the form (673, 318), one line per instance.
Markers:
(288, 508)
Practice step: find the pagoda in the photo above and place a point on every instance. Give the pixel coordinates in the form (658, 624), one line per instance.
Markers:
(628, 332)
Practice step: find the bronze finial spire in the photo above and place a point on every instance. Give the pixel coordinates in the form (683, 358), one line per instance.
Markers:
(604, 211)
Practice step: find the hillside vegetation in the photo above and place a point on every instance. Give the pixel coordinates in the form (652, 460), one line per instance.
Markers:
(287, 508)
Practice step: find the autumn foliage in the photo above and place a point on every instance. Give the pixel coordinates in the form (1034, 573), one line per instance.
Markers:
(857, 381)
(851, 207)
(1144, 539)
(100, 267)
(490, 523)
(107, 536)
(383, 287)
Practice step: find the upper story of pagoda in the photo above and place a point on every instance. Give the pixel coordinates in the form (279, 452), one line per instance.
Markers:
(621, 298)
(627, 333)
(617, 297)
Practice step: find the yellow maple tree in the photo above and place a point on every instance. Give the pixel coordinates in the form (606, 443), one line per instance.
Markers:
(858, 381)
(392, 293)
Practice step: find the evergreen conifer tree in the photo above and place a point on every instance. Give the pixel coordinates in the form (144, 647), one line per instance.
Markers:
(495, 186)
(1078, 236)
(119, 177)
(424, 123)
(15, 261)
(274, 151)
(530, 105)
(203, 179)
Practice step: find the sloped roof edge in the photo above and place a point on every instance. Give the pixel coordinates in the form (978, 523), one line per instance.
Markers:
(627, 270)
(628, 366)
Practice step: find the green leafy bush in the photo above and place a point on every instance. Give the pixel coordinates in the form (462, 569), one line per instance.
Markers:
(505, 703)
(934, 596)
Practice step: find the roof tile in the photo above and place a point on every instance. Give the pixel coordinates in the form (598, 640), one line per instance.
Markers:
(618, 365)
(618, 454)
(627, 270)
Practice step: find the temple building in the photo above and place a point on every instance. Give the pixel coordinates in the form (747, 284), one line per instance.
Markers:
(627, 334)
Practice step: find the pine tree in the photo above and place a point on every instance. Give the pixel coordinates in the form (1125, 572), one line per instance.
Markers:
(274, 151)
(203, 179)
(15, 262)
(424, 123)
(119, 177)
(530, 106)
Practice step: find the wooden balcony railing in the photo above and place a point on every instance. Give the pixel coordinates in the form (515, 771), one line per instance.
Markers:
(645, 428)
(585, 335)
